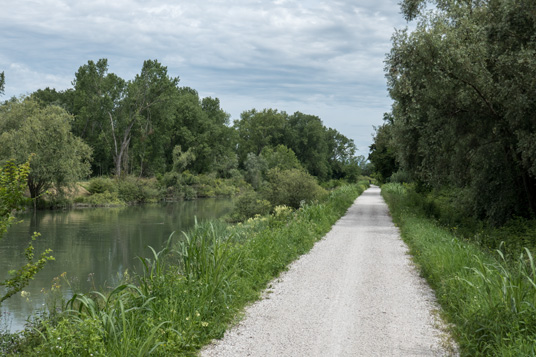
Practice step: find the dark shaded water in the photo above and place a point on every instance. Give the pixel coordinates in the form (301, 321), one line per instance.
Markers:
(93, 247)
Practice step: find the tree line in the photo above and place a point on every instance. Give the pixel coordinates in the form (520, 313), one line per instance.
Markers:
(149, 126)
(463, 118)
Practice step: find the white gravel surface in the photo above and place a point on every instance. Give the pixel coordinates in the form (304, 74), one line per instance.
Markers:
(356, 293)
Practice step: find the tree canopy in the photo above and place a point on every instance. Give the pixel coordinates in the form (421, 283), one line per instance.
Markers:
(110, 112)
(28, 128)
(148, 126)
(2, 82)
(463, 89)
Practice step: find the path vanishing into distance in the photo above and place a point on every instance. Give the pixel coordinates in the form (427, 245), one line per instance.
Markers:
(356, 293)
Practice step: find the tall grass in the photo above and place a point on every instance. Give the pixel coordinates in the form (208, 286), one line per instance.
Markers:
(489, 298)
(190, 291)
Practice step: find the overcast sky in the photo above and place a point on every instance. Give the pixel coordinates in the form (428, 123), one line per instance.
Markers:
(318, 57)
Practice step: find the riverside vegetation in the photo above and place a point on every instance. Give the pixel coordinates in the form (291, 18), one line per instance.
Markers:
(484, 277)
(189, 292)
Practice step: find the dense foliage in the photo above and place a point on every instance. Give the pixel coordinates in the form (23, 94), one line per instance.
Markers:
(463, 115)
(323, 152)
(59, 157)
(150, 126)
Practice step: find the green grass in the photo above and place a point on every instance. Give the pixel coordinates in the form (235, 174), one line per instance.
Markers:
(491, 300)
(190, 291)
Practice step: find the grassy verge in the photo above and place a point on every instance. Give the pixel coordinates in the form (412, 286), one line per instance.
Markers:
(490, 300)
(189, 292)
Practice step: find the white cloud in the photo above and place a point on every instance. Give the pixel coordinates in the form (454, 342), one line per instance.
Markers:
(310, 54)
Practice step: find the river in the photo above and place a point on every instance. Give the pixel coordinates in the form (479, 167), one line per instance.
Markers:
(92, 247)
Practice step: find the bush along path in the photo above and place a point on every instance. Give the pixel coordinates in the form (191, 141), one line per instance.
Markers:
(189, 292)
(355, 293)
(489, 299)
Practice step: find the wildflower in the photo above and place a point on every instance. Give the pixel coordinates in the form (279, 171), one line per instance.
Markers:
(204, 324)
(197, 314)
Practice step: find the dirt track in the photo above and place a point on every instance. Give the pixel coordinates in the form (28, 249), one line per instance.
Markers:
(355, 294)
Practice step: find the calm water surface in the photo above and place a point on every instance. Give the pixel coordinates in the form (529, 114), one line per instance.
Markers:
(93, 246)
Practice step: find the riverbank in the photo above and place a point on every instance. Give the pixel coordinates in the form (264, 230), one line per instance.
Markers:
(487, 295)
(190, 291)
(105, 191)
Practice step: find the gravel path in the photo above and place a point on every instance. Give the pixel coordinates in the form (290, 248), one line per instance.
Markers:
(355, 293)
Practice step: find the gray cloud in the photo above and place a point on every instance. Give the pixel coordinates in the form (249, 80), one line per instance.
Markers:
(291, 55)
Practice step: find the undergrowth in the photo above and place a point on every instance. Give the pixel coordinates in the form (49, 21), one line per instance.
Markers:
(490, 298)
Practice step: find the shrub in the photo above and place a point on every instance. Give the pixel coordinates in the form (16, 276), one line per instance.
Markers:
(248, 205)
(135, 190)
(333, 184)
(100, 199)
(101, 185)
(291, 187)
(189, 192)
(401, 176)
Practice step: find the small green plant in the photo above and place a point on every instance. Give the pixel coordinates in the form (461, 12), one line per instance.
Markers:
(22, 277)
(207, 256)
(13, 180)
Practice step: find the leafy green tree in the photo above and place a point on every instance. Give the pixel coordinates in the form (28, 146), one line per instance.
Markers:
(96, 100)
(382, 152)
(202, 127)
(255, 166)
(307, 137)
(181, 159)
(146, 111)
(342, 159)
(112, 113)
(2, 83)
(280, 157)
(50, 96)
(257, 130)
(222, 137)
(463, 113)
(60, 158)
